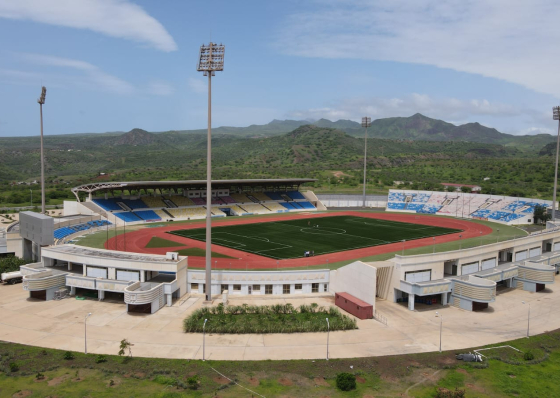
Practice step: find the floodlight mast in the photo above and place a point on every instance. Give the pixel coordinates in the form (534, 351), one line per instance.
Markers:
(41, 102)
(555, 116)
(366, 122)
(211, 59)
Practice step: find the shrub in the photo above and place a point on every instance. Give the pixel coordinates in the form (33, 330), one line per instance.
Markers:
(68, 355)
(445, 393)
(39, 376)
(165, 380)
(14, 367)
(529, 356)
(192, 382)
(346, 381)
(100, 359)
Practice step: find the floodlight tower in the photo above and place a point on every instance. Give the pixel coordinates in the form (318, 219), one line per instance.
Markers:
(555, 116)
(41, 101)
(366, 122)
(211, 59)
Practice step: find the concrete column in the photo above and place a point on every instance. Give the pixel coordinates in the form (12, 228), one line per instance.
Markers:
(411, 302)
(111, 273)
(169, 300)
(72, 290)
(142, 276)
(69, 266)
(101, 295)
(444, 298)
(85, 270)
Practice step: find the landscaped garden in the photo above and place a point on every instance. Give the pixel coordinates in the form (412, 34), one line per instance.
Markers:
(278, 318)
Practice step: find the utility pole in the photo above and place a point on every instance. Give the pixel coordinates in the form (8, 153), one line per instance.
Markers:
(555, 116)
(366, 122)
(41, 102)
(211, 59)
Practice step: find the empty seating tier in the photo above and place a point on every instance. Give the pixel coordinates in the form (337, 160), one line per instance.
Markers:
(128, 216)
(181, 201)
(153, 201)
(148, 215)
(107, 204)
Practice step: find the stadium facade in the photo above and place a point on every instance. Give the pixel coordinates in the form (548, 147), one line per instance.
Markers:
(467, 278)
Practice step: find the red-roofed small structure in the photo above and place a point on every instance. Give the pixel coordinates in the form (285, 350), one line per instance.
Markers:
(353, 305)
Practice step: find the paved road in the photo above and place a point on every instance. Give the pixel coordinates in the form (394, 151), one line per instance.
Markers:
(59, 324)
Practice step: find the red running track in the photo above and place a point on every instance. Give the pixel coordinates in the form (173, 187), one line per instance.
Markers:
(136, 241)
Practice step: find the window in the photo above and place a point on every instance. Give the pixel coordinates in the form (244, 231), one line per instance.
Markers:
(418, 276)
(236, 288)
(194, 286)
(224, 288)
(326, 287)
(285, 289)
(267, 289)
(314, 288)
(203, 288)
(298, 286)
(257, 288)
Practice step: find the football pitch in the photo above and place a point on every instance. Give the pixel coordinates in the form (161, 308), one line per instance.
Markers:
(291, 239)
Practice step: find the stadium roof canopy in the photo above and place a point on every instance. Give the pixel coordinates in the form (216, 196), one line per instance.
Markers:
(267, 184)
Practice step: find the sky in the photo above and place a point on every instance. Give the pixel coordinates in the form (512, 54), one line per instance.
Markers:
(114, 65)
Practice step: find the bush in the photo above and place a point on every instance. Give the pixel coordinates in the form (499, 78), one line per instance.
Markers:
(346, 381)
(14, 367)
(529, 356)
(68, 355)
(100, 359)
(192, 382)
(445, 393)
(39, 376)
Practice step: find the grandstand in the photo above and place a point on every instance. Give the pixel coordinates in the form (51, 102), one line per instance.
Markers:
(61, 233)
(183, 200)
(502, 209)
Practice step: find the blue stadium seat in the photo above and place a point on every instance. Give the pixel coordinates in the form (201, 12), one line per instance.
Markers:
(128, 216)
(107, 204)
(148, 215)
(274, 195)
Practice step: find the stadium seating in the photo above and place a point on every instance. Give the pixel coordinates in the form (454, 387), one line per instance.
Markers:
(254, 208)
(148, 215)
(240, 198)
(199, 201)
(189, 212)
(163, 215)
(107, 204)
(274, 195)
(429, 209)
(216, 212)
(128, 216)
(306, 205)
(396, 206)
(414, 206)
(227, 199)
(236, 209)
(181, 201)
(275, 207)
(133, 203)
(153, 201)
(61, 233)
(261, 196)
(497, 215)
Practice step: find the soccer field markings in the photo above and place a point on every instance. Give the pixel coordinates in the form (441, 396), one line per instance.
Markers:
(345, 233)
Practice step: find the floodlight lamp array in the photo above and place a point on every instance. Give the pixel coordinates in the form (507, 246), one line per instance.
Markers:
(366, 122)
(211, 58)
(556, 113)
(41, 100)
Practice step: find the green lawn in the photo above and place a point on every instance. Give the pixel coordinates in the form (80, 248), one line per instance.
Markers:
(290, 239)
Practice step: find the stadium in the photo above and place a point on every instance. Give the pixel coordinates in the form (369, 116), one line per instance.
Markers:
(274, 237)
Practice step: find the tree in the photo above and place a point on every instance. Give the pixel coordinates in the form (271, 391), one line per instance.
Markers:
(465, 189)
(125, 345)
(540, 214)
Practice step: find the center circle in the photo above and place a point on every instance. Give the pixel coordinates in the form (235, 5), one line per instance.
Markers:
(323, 231)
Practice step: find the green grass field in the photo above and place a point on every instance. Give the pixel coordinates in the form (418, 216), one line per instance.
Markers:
(290, 239)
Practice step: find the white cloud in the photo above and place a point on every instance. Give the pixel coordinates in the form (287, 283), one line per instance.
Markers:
(91, 76)
(116, 18)
(160, 88)
(512, 40)
(377, 108)
(197, 85)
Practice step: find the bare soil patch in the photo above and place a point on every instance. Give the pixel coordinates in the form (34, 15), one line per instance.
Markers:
(285, 382)
(221, 380)
(360, 380)
(463, 371)
(22, 393)
(320, 381)
(254, 381)
(57, 380)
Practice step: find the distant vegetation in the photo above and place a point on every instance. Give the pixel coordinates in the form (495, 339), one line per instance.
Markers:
(417, 150)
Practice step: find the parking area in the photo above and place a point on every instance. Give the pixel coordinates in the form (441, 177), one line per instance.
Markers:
(60, 324)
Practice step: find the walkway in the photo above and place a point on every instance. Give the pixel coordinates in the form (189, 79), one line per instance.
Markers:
(59, 324)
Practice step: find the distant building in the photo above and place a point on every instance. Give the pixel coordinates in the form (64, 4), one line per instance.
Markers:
(474, 188)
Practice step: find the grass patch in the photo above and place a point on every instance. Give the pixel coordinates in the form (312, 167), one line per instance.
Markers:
(156, 242)
(290, 239)
(267, 319)
(197, 252)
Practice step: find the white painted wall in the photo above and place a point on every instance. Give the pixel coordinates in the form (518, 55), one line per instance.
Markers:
(358, 279)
